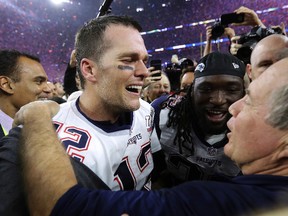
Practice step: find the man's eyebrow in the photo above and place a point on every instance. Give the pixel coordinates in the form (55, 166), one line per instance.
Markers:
(134, 55)
(265, 62)
(42, 78)
(130, 54)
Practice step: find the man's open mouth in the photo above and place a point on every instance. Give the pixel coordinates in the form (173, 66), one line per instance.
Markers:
(216, 115)
(134, 88)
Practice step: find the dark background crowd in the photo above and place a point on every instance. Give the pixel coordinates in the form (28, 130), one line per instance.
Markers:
(47, 29)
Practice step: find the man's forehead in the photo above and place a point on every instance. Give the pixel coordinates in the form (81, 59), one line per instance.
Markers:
(113, 32)
(31, 67)
(263, 56)
(126, 43)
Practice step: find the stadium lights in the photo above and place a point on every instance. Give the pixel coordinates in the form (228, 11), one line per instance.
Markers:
(139, 9)
(60, 1)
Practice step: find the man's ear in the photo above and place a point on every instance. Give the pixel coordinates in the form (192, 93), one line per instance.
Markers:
(284, 147)
(249, 71)
(88, 69)
(7, 85)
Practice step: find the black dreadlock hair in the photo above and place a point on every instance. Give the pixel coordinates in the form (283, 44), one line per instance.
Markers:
(181, 117)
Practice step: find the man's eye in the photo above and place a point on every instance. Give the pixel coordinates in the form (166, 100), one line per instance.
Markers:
(127, 60)
(265, 64)
(233, 89)
(205, 89)
(38, 82)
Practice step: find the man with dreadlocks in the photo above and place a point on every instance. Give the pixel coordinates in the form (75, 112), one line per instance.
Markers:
(192, 129)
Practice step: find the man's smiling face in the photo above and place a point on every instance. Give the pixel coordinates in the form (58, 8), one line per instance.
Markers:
(212, 97)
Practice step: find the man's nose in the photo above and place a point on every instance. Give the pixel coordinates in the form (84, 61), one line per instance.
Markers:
(47, 89)
(162, 89)
(141, 70)
(218, 97)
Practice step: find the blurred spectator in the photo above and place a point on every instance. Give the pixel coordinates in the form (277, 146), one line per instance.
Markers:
(53, 92)
(186, 79)
(59, 89)
(158, 88)
(267, 51)
(22, 80)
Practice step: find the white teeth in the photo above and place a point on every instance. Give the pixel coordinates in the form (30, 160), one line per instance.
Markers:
(42, 99)
(135, 87)
(215, 112)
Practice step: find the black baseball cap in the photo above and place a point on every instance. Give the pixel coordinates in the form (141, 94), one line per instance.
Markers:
(218, 63)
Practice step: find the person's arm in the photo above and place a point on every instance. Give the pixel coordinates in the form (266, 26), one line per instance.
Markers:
(47, 171)
(69, 82)
(208, 46)
(234, 46)
(229, 32)
(281, 27)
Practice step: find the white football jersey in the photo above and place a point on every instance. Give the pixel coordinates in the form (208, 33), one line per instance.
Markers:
(120, 153)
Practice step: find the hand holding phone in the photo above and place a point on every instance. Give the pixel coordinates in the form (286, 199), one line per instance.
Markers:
(232, 18)
(157, 64)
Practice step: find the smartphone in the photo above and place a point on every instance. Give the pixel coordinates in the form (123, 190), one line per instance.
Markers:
(157, 64)
(232, 18)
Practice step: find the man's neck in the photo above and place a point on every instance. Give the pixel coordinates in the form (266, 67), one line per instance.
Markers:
(8, 108)
(97, 114)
